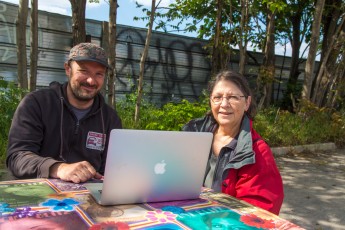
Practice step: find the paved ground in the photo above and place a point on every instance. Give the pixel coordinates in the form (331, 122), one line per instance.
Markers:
(314, 185)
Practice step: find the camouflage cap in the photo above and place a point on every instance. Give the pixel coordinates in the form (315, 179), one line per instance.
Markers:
(88, 52)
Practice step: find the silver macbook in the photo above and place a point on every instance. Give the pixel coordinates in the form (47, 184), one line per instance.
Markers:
(152, 166)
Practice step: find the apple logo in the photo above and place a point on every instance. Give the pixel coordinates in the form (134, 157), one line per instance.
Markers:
(160, 167)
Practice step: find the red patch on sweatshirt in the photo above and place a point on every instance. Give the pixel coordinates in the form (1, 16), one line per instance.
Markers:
(95, 141)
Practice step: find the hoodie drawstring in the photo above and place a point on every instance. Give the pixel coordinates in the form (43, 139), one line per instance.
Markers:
(61, 121)
(103, 129)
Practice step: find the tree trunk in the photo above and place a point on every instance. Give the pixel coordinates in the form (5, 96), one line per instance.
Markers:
(142, 62)
(310, 64)
(336, 93)
(78, 21)
(243, 35)
(21, 44)
(337, 88)
(330, 20)
(329, 65)
(216, 52)
(267, 70)
(34, 45)
(294, 71)
(112, 52)
(105, 45)
(330, 71)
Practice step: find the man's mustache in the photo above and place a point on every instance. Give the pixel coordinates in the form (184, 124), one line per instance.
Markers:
(88, 85)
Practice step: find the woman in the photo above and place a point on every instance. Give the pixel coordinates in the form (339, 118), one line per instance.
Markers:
(241, 164)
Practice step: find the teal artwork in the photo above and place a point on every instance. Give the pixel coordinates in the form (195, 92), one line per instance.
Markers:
(215, 218)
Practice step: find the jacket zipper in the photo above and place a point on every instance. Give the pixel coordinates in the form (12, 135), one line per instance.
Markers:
(216, 168)
(76, 128)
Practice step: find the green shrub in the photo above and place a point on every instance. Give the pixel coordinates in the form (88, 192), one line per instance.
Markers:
(10, 97)
(172, 116)
(317, 125)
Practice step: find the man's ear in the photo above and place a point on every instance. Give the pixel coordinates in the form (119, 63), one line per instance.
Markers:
(67, 69)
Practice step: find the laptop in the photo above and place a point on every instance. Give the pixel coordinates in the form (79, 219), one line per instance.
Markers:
(150, 166)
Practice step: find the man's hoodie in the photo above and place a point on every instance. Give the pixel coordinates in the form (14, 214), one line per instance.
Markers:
(45, 131)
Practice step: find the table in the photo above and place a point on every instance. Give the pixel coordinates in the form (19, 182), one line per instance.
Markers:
(54, 204)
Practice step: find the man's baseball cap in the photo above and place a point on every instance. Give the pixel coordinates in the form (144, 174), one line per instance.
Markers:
(88, 52)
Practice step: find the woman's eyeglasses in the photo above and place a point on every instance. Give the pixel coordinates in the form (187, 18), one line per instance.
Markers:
(229, 99)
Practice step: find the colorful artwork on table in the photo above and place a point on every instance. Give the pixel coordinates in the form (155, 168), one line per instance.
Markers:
(44, 220)
(169, 226)
(63, 186)
(63, 205)
(25, 194)
(214, 218)
(67, 204)
(101, 213)
(187, 204)
(226, 200)
(110, 225)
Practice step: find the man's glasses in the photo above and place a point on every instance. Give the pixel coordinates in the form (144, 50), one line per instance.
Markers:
(232, 99)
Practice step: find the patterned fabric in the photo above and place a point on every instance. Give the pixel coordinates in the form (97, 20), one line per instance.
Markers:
(88, 52)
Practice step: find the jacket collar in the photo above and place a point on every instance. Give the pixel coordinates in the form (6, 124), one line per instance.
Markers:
(244, 154)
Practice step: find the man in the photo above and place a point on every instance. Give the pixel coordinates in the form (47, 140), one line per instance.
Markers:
(63, 131)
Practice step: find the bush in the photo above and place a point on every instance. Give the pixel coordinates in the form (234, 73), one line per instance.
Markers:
(317, 125)
(9, 99)
(172, 116)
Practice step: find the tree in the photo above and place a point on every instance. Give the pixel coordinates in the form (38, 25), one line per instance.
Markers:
(331, 71)
(266, 75)
(112, 52)
(216, 49)
(267, 69)
(243, 42)
(332, 91)
(294, 24)
(34, 45)
(21, 44)
(78, 21)
(334, 33)
(143, 59)
(310, 64)
(209, 19)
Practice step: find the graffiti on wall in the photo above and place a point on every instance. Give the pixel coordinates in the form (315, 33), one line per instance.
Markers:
(175, 71)
(175, 68)
(6, 31)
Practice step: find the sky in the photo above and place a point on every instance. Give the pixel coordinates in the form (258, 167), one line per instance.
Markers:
(125, 13)
(100, 11)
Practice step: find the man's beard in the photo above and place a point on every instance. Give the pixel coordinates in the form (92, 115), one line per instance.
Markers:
(79, 94)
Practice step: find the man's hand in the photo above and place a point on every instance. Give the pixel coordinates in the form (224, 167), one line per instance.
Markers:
(76, 172)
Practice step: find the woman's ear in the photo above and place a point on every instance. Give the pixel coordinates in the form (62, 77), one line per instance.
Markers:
(248, 102)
